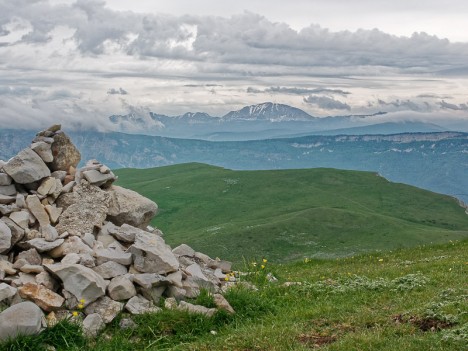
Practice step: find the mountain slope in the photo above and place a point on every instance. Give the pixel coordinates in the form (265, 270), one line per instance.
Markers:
(291, 214)
(268, 111)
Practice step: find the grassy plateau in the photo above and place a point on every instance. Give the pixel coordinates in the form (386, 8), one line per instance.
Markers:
(289, 215)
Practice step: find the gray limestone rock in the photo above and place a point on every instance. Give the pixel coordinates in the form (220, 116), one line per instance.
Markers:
(138, 305)
(80, 281)
(110, 269)
(185, 306)
(49, 233)
(47, 186)
(24, 318)
(72, 244)
(31, 256)
(21, 218)
(5, 237)
(5, 179)
(6, 200)
(105, 255)
(6, 291)
(17, 233)
(183, 250)
(223, 304)
(93, 324)
(8, 190)
(148, 280)
(152, 255)
(107, 308)
(37, 209)
(99, 179)
(44, 150)
(129, 207)
(121, 288)
(26, 167)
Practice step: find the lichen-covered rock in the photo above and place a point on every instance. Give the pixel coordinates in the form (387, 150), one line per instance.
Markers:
(64, 152)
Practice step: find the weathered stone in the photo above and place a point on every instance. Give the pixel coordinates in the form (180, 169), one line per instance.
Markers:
(121, 288)
(153, 294)
(31, 256)
(105, 255)
(87, 261)
(80, 281)
(5, 200)
(99, 179)
(125, 233)
(71, 258)
(44, 150)
(225, 266)
(183, 250)
(88, 239)
(223, 304)
(24, 318)
(7, 267)
(127, 323)
(49, 233)
(24, 278)
(201, 256)
(85, 208)
(5, 237)
(17, 233)
(129, 207)
(37, 209)
(47, 186)
(60, 175)
(20, 263)
(6, 291)
(43, 246)
(64, 152)
(110, 269)
(195, 271)
(8, 190)
(138, 305)
(107, 308)
(21, 218)
(170, 303)
(175, 292)
(93, 324)
(152, 255)
(175, 279)
(5, 179)
(72, 244)
(26, 167)
(41, 296)
(148, 280)
(47, 280)
(31, 268)
(185, 306)
(54, 213)
(191, 287)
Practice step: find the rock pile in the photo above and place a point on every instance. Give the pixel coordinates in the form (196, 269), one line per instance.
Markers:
(71, 241)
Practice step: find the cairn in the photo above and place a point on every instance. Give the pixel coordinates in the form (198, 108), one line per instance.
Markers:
(72, 243)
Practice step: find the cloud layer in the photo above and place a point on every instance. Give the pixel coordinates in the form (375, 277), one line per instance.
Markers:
(73, 59)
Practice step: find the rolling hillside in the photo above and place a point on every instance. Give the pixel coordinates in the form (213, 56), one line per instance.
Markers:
(291, 214)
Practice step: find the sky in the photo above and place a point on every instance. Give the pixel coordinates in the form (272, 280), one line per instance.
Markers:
(77, 62)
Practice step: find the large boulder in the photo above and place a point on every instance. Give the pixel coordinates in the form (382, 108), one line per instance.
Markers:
(24, 318)
(26, 167)
(127, 206)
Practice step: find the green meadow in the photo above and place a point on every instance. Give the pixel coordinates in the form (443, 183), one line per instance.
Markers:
(289, 215)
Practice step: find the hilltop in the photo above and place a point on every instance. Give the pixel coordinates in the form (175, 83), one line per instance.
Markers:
(292, 214)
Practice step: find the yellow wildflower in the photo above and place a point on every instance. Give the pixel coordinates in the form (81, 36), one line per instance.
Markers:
(263, 266)
(74, 314)
(82, 301)
(381, 260)
(80, 306)
(265, 260)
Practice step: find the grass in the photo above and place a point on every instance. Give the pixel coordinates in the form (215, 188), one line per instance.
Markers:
(408, 299)
(288, 215)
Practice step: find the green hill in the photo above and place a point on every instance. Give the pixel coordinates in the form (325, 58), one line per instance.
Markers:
(292, 214)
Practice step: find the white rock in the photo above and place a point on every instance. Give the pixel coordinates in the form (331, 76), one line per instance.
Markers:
(6, 291)
(138, 305)
(5, 237)
(5, 179)
(107, 308)
(37, 209)
(93, 324)
(8, 190)
(121, 288)
(21, 218)
(110, 269)
(183, 250)
(185, 306)
(43, 150)
(105, 255)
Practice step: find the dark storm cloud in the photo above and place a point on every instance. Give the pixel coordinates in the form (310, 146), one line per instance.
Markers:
(326, 102)
(119, 91)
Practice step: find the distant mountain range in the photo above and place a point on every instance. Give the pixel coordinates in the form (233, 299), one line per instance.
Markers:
(262, 121)
(434, 161)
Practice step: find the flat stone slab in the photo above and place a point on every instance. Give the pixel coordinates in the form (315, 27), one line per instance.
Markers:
(42, 245)
(24, 318)
(26, 167)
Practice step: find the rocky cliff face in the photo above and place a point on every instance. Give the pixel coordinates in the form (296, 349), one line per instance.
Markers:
(74, 244)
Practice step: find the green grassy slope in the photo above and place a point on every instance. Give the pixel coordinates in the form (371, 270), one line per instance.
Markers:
(291, 214)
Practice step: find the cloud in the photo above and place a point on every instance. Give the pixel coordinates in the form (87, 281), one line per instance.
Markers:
(119, 91)
(406, 105)
(455, 107)
(298, 91)
(326, 103)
